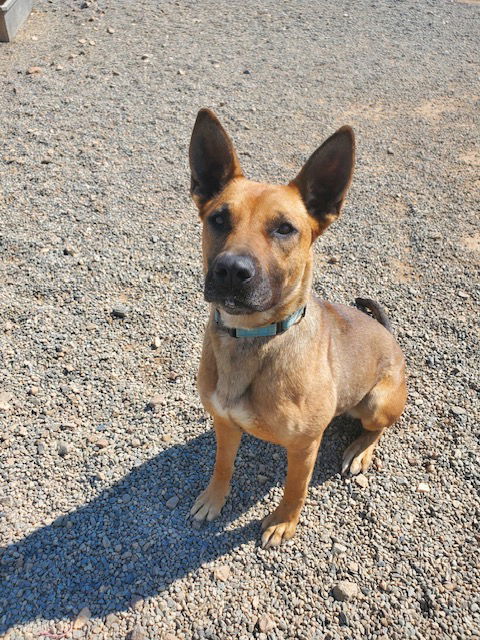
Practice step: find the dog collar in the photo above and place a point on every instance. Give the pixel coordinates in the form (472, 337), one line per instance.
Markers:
(268, 331)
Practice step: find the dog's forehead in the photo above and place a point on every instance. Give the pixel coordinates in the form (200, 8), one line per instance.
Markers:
(245, 197)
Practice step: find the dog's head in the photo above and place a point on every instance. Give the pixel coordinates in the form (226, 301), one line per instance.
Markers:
(257, 237)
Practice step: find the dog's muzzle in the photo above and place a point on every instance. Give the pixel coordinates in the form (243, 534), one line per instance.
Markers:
(236, 283)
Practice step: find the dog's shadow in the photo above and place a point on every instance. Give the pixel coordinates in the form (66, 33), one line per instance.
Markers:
(127, 540)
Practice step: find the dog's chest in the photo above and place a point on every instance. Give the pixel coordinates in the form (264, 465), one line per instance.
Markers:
(231, 397)
(237, 410)
(259, 419)
(252, 394)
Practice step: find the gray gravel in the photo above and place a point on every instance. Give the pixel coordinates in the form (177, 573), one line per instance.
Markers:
(104, 444)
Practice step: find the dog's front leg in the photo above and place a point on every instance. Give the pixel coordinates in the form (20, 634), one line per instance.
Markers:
(210, 502)
(281, 524)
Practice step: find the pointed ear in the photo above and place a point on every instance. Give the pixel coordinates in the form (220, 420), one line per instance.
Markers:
(325, 178)
(213, 161)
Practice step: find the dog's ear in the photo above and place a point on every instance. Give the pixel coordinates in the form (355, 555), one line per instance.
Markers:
(324, 179)
(213, 161)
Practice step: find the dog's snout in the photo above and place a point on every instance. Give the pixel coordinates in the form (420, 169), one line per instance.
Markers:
(233, 270)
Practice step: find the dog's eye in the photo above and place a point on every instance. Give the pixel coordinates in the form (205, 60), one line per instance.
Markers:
(285, 229)
(218, 220)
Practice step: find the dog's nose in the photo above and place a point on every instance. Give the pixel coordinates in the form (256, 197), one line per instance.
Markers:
(232, 270)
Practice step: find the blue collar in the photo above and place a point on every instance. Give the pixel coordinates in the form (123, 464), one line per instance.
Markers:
(263, 332)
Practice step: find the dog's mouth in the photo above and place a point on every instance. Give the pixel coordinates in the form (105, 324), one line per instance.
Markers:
(234, 305)
(239, 302)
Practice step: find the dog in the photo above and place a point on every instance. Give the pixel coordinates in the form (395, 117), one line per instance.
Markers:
(277, 362)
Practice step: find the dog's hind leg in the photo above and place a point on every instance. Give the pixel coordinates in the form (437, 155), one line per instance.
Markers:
(379, 409)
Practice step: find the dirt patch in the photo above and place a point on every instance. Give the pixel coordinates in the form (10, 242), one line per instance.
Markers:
(472, 242)
(404, 271)
(434, 109)
(471, 158)
(372, 112)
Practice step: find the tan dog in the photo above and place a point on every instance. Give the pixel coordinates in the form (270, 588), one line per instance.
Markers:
(313, 360)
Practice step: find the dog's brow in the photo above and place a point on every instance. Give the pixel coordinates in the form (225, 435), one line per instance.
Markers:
(224, 209)
(279, 218)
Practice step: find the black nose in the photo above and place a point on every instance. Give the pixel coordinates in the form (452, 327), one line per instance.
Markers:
(232, 270)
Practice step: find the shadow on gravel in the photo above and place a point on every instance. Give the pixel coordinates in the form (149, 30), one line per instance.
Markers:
(127, 542)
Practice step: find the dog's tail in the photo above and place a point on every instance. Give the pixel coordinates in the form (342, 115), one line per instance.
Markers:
(366, 305)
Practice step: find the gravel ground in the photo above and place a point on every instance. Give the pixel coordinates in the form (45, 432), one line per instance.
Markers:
(104, 444)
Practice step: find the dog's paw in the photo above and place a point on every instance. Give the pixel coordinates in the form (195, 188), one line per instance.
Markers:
(208, 504)
(358, 456)
(276, 529)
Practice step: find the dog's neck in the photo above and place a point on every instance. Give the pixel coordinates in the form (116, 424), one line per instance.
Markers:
(238, 361)
(268, 331)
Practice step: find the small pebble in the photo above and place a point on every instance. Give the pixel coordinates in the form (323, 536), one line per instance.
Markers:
(5, 399)
(345, 591)
(62, 448)
(155, 402)
(120, 311)
(423, 487)
(136, 602)
(338, 549)
(222, 573)
(172, 502)
(137, 633)
(361, 480)
(266, 623)
(82, 618)
(458, 411)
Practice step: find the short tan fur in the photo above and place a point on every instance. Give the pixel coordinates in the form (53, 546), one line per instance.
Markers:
(284, 389)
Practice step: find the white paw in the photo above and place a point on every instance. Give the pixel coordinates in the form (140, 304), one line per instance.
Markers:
(208, 505)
